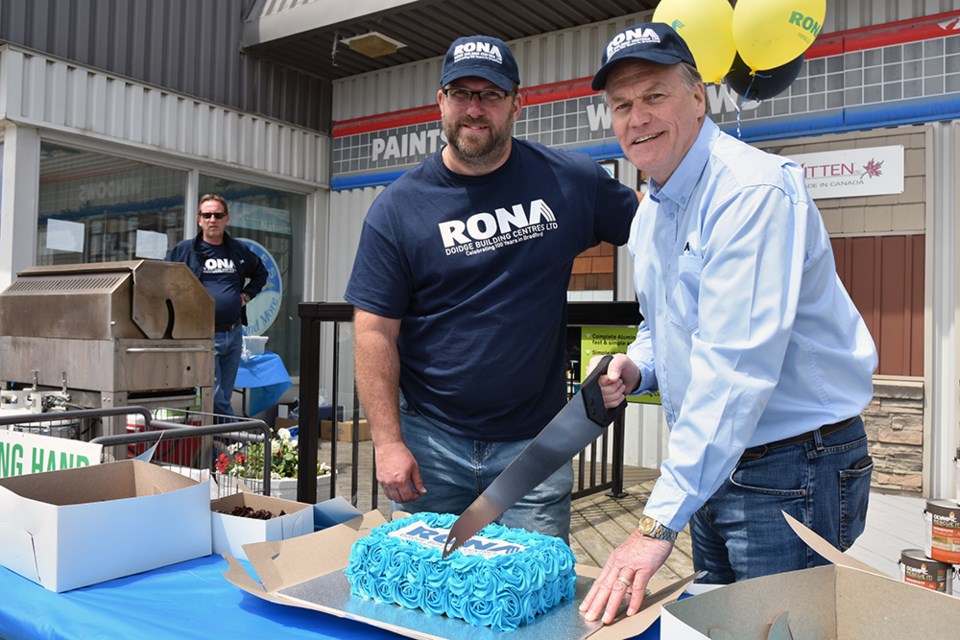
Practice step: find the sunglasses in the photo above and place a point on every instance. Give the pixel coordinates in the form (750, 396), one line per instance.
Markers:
(218, 215)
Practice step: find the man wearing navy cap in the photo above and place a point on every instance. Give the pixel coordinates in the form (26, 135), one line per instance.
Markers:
(762, 361)
(460, 287)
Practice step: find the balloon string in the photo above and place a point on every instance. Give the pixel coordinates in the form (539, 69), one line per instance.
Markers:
(743, 98)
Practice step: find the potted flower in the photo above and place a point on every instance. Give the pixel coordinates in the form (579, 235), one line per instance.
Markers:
(246, 460)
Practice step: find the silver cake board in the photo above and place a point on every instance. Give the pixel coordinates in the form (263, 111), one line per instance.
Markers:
(332, 591)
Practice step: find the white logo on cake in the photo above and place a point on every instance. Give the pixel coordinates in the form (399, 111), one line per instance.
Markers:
(435, 538)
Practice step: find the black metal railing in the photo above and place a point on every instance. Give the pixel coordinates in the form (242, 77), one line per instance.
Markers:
(154, 431)
(595, 473)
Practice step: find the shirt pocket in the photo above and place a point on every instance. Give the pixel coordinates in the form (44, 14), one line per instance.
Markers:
(685, 297)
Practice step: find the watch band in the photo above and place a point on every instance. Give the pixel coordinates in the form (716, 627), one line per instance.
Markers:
(653, 529)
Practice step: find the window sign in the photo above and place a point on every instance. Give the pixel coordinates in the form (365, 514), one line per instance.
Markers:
(151, 244)
(64, 236)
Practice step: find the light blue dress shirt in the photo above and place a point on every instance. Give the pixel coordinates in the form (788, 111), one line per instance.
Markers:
(748, 334)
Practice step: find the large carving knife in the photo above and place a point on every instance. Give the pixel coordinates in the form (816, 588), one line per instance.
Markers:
(579, 423)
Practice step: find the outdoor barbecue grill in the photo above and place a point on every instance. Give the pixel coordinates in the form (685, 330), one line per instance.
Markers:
(110, 334)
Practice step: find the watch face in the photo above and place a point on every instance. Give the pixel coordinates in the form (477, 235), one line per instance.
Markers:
(647, 524)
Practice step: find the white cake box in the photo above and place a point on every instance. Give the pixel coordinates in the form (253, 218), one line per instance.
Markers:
(307, 572)
(825, 602)
(76, 527)
(843, 600)
(231, 532)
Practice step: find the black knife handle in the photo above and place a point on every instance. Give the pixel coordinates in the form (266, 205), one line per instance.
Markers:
(593, 397)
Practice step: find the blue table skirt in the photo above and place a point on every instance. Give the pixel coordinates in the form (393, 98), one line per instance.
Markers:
(186, 600)
(266, 378)
(182, 601)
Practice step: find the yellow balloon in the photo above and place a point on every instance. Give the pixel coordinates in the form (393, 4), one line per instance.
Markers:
(771, 33)
(706, 27)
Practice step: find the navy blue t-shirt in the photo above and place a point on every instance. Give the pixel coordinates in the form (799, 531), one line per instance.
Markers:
(478, 269)
(222, 281)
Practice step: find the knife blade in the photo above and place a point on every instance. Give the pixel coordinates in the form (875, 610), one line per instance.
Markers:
(580, 422)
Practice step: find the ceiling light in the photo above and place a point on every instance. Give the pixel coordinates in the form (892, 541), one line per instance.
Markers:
(373, 44)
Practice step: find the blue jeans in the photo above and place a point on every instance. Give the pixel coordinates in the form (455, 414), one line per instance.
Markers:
(824, 483)
(227, 347)
(456, 470)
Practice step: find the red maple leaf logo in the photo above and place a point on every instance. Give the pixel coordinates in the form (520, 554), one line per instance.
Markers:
(872, 169)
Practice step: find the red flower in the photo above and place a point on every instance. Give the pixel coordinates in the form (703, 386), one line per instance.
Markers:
(223, 462)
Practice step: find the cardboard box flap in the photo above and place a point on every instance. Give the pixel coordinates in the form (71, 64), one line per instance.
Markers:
(98, 483)
(824, 548)
(662, 592)
(239, 577)
(333, 511)
(21, 553)
(284, 563)
(747, 609)
(887, 609)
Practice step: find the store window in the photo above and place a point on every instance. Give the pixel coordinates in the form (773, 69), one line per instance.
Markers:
(272, 223)
(100, 208)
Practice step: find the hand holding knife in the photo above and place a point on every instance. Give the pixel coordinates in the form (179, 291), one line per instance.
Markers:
(580, 422)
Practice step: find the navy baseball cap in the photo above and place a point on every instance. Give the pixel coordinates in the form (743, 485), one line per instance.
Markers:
(651, 41)
(482, 57)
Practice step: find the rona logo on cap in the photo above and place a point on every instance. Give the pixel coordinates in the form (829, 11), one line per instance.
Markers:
(478, 50)
(631, 37)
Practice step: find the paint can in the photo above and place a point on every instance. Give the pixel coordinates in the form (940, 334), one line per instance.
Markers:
(916, 568)
(942, 531)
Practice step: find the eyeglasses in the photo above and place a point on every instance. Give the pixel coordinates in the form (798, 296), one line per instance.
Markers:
(219, 215)
(463, 97)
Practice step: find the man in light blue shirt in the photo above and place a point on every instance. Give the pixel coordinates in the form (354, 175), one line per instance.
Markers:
(762, 361)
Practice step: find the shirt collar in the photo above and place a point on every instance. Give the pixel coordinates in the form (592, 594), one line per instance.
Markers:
(681, 183)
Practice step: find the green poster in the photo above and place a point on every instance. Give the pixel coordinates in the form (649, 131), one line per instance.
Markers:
(603, 340)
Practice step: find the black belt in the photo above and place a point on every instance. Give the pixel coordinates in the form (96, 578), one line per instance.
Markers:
(758, 452)
(220, 328)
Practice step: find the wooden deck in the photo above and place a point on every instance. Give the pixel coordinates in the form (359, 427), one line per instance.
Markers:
(599, 523)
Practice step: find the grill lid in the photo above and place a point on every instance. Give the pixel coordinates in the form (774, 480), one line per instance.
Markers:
(111, 300)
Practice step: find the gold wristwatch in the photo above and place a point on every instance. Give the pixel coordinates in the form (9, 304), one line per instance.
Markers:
(653, 529)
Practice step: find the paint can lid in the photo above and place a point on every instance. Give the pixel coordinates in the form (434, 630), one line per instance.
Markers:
(942, 507)
(916, 558)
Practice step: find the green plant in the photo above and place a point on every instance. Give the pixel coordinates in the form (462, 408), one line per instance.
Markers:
(245, 460)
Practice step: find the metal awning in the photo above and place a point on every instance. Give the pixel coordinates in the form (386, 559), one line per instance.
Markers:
(308, 35)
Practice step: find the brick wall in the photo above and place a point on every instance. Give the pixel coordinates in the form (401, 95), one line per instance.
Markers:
(894, 424)
(593, 270)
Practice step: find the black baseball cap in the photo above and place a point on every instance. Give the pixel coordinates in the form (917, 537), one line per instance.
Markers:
(651, 41)
(482, 57)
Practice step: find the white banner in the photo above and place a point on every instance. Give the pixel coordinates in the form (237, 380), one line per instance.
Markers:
(852, 173)
(26, 453)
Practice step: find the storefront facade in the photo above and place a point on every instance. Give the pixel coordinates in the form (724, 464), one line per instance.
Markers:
(892, 87)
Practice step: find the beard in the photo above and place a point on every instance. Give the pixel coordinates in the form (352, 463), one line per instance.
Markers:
(476, 151)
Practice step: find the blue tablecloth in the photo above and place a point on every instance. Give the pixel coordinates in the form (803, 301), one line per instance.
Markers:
(182, 601)
(266, 378)
(186, 600)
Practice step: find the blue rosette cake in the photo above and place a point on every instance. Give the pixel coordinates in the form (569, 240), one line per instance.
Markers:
(501, 578)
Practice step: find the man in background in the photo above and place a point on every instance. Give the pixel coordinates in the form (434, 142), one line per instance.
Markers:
(233, 275)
